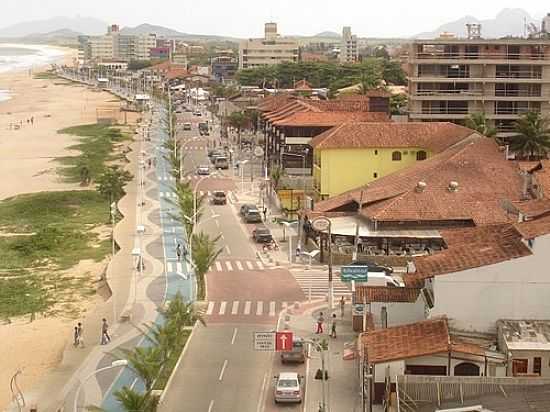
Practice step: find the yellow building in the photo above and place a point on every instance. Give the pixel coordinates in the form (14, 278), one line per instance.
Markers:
(354, 154)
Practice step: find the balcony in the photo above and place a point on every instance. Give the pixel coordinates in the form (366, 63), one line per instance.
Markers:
(482, 57)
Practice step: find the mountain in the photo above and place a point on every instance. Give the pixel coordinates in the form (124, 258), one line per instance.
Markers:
(84, 25)
(328, 34)
(171, 33)
(509, 22)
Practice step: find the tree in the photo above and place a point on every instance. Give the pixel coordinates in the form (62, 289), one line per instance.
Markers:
(111, 183)
(398, 102)
(276, 174)
(533, 136)
(205, 253)
(133, 401)
(184, 200)
(182, 313)
(145, 362)
(85, 177)
(238, 120)
(479, 123)
(393, 73)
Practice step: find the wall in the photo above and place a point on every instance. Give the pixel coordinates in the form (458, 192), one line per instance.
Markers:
(530, 355)
(475, 299)
(399, 313)
(346, 169)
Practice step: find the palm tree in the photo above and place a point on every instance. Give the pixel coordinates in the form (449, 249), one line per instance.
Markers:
(533, 136)
(146, 362)
(479, 123)
(205, 253)
(184, 201)
(133, 401)
(182, 313)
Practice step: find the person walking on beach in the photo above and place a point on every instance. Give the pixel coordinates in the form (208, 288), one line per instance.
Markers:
(32, 120)
(75, 336)
(80, 333)
(333, 326)
(105, 338)
(320, 321)
(342, 306)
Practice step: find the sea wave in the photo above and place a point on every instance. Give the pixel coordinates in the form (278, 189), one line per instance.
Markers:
(27, 56)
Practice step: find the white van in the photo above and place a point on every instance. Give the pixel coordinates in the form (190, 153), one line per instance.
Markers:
(382, 279)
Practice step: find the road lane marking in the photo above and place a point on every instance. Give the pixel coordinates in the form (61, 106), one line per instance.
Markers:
(179, 267)
(249, 264)
(235, 307)
(169, 267)
(229, 266)
(234, 336)
(217, 222)
(223, 370)
(227, 250)
(239, 265)
(219, 266)
(247, 306)
(211, 406)
(222, 308)
(261, 405)
(259, 308)
(210, 308)
(272, 308)
(260, 265)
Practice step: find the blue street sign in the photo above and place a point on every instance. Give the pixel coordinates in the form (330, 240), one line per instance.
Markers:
(356, 273)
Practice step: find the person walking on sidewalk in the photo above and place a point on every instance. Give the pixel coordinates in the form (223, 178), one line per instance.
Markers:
(105, 338)
(333, 326)
(265, 214)
(320, 321)
(342, 306)
(178, 252)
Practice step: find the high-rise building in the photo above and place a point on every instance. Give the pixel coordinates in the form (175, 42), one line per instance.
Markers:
(272, 49)
(348, 47)
(546, 24)
(451, 78)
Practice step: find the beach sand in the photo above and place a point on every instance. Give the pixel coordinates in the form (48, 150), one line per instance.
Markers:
(27, 165)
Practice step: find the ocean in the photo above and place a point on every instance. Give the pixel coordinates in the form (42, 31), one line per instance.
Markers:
(23, 56)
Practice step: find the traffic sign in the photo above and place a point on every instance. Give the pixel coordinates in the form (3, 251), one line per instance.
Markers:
(320, 224)
(356, 273)
(264, 341)
(283, 341)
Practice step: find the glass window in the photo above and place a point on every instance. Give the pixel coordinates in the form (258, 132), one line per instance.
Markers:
(421, 155)
(396, 156)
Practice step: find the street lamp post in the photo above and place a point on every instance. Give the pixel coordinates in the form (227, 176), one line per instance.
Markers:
(321, 350)
(321, 224)
(114, 364)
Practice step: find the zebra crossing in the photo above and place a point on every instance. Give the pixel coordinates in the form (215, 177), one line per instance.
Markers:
(318, 283)
(166, 178)
(236, 265)
(173, 195)
(247, 308)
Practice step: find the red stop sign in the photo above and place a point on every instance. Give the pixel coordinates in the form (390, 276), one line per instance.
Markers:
(283, 341)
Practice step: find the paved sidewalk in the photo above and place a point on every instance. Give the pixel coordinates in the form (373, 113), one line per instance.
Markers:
(343, 393)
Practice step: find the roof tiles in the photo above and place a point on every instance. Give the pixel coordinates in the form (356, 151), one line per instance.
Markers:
(371, 294)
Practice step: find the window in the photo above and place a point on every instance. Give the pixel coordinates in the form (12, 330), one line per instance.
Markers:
(375, 175)
(376, 152)
(396, 156)
(519, 367)
(421, 155)
(537, 366)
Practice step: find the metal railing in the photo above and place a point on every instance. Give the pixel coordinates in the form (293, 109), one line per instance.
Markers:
(479, 56)
(516, 110)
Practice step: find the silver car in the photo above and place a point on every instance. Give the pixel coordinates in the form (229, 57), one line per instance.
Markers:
(288, 387)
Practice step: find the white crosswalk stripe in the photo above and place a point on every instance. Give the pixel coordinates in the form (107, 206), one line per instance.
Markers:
(239, 265)
(259, 308)
(247, 306)
(271, 308)
(235, 308)
(210, 308)
(222, 308)
(318, 282)
(169, 267)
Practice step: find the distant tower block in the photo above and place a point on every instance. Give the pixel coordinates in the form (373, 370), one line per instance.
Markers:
(474, 30)
(546, 24)
(270, 31)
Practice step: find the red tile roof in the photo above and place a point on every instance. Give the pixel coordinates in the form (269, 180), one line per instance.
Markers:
(533, 208)
(176, 73)
(430, 136)
(542, 177)
(485, 180)
(302, 85)
(311, 118)
(371, 294)
(468, 248)
(423, 338)
(534, 228)
(274, 102)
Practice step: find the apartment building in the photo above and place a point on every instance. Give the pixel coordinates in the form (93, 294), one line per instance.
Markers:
(270, 50)
(348, 48)
(451, 78)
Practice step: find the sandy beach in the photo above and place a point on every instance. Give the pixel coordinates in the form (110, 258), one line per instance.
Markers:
(27, 165)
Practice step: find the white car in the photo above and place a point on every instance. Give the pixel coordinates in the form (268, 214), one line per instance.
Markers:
(203, 170)
(288, 387)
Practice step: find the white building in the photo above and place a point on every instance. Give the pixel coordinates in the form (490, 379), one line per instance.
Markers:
(272, 49)
(348, 48)
(546, 23)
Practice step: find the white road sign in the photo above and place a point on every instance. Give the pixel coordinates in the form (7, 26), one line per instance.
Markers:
(264, 341)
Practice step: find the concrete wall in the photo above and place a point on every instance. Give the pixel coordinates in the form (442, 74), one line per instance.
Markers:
(399, 313)
(530, 355)
(346, 169)
(475, 299)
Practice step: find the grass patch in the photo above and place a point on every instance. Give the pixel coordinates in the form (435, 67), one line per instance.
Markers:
(46, 234)
(50, 74)
(166, 371)
(97, 143)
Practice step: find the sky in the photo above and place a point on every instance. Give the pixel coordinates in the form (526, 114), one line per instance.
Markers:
(245, 18)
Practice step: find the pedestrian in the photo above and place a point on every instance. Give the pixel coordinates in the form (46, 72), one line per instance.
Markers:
(342, 305)
(149, 162)
(75, 336)
(178, 252)
(333, 326)
(32, 119)
(80, 333)
(105, 338)
(265, 214)
(320, 321)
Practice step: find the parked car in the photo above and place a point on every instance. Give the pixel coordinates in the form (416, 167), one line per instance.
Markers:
(298, 352)
(244, 208)
(199, 114)
(203, 170)
(252, 215)
(262, 234)
(204, 129)
(373, 267)
(221, 162)
(288, 387)
(219, 198)
(187, 126)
